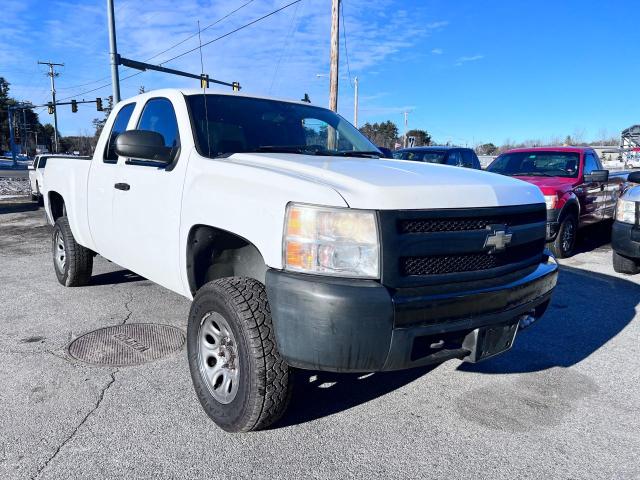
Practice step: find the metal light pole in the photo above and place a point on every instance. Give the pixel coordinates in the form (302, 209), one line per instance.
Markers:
(113, 52)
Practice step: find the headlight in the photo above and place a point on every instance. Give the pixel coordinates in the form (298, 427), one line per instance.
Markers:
(331, 241)
(626, 211)
(550, 200)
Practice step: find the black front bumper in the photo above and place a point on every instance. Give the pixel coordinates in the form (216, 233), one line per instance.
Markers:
(332, 324)
(625, 239)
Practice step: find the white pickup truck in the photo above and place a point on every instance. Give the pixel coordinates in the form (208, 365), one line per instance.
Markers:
(299, 246)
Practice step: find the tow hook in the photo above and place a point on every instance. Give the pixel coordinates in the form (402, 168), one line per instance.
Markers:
(526, 320)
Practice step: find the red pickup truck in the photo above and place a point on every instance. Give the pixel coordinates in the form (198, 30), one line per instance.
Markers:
(577, 190)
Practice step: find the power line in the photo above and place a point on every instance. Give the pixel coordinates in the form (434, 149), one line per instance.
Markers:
(100, 87)
(344, 36)
(193, 49)
(159, 53)
(285, 48)
(199, 32)
(231, 32)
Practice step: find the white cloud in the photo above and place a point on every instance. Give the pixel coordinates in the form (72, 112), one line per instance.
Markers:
(280, 55)
(437, 25)
(437, 51)
(463, 60)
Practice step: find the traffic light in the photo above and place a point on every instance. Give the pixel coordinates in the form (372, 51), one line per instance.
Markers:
(51, 108)
(204, 81)
(74, 106)
(99, 104)
(235, 86)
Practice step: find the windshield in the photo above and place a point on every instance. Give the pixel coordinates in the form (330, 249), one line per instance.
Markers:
(231, 124)
(422, 156)
(539, 163)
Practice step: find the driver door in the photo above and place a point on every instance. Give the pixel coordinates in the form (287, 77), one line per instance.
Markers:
(147, 202)
(592, 192)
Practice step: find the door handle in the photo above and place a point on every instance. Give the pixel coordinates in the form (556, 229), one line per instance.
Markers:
(122, 186)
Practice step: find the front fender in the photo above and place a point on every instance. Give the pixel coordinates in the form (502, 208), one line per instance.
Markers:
(248, 201)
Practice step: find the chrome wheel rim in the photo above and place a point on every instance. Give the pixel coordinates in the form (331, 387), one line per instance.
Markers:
(218, 357)
(568, 236)
(59, 252)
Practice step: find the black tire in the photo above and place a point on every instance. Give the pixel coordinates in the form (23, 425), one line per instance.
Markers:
(73, 263)
(565, 242)
(264, 380)
(34, 197)
(622, 264)
(40, 200)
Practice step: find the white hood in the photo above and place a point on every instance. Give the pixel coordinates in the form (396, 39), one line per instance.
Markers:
(397, 184)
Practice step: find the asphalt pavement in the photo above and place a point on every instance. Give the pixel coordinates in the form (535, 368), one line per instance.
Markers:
(563, 403)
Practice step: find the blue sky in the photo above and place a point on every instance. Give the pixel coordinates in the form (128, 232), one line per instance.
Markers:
(469, 71)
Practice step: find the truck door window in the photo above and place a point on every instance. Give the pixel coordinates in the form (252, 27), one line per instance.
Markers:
(159, 116)
(119, 126)
(589, 164)
(42, 162)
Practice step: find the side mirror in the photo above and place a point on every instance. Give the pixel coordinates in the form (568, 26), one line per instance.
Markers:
(597, 176)
(634, 177)
(31, 167)
(144, 145)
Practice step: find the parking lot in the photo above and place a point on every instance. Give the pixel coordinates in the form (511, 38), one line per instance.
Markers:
(563, 403)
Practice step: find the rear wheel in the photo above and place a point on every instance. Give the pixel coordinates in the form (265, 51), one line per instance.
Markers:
(241, 380)
(565, 242)
(72, 262)
(622, 264)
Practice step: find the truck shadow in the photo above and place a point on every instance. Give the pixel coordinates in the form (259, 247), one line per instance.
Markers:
(593, 237)
(320, 394)
(18, 207)
(587, 310)
(119, 276)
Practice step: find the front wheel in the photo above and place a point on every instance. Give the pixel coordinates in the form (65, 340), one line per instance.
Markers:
(241, 380)
(72, 262)
(622, 264)
(565, 242)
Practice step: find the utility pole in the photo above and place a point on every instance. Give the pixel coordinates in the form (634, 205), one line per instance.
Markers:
(24, 132)
(333, 70)
(406, 123)
(53, 74)
(113, 52)
(355, 102)
(332, 141)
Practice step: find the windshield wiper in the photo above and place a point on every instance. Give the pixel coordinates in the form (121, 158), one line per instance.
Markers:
(534, 174)
(358, 153)
(299, 149)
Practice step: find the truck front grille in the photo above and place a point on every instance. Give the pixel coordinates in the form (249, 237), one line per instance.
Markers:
(431, 247)
(465, 224)
(470, 262)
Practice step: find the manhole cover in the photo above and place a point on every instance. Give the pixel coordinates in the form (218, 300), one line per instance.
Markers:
(130, 344)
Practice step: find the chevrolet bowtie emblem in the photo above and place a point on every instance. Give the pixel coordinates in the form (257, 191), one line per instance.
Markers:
(497, 240)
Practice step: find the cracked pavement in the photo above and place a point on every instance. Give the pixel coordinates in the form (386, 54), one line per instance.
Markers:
(563, 403)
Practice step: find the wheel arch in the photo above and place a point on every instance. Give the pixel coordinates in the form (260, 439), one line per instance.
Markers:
(214, 253)
(571, 206)
(56, 205)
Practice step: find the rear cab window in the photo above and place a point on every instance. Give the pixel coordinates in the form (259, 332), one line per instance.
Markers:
(470, 159)
(119, 126)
